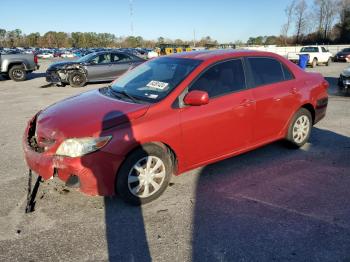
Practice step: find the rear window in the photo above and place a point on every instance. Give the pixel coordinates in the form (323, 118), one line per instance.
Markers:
(266, 70)
(309, 49)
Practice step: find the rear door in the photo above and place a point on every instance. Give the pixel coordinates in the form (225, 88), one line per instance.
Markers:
(223, 125)
(275, 93)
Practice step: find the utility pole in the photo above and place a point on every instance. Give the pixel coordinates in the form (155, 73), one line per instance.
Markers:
(131, 17)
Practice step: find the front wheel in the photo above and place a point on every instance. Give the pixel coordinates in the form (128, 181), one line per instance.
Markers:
(300, 128)
(314, 63)
(144, 175)
(329, 61)
(77, 79)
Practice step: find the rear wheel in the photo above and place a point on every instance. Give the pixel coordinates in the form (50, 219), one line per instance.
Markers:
(300, 128)
(77, 79)
(144, 175)
(314, 63)
(17, 73)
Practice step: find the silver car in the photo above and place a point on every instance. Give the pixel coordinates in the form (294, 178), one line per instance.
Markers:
(100, 66)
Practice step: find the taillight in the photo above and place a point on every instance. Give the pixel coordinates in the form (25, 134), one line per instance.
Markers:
(35, 59)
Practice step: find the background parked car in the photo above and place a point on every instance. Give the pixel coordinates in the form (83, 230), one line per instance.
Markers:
(45, 55)
(67, 55)
(317, 55)
(343, 55)
(95, 67)
(344, 79)
(16, 66)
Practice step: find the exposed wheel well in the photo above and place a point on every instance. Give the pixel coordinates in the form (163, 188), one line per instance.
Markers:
(311, 109)
(14, 64)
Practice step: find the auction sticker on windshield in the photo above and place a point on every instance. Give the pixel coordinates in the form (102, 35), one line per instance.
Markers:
(157, 85)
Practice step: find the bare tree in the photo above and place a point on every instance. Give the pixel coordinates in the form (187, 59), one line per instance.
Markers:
(299, 13)
(289, 14)
(326, 12)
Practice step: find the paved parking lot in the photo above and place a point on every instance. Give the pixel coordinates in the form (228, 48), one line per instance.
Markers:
(271, 204)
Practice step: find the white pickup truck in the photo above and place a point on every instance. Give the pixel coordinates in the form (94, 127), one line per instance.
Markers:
(317, 55)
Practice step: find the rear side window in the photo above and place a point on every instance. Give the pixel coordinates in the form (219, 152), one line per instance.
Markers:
(265, 70)
(222, 78)
(287, 74)
(121, 57)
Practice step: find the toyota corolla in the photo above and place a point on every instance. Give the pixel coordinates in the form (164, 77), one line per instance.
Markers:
(170, 115)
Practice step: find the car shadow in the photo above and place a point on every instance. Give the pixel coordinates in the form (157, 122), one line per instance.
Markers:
(35, 75)
(124, 224)
(274, 204)
(334, 89)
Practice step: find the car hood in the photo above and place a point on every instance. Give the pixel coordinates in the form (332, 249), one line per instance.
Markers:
(346, 72)
(85, 115)
(62, 64)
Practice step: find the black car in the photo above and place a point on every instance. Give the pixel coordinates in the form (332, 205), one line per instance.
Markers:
(343, 55)
(95, 67)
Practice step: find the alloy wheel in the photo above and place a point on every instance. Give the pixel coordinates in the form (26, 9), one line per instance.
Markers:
(146, 176)
(301, 129)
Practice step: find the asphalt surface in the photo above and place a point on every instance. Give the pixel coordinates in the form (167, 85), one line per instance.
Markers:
(271, 204)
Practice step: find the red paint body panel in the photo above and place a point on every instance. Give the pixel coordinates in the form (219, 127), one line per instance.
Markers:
(198, 135)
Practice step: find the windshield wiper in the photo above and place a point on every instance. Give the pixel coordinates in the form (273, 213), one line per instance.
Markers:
(125, 94)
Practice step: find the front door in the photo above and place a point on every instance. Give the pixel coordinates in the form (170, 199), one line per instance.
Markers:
(224, 125)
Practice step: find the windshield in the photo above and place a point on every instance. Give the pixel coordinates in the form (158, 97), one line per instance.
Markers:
(86, 58)
(154, 80)
(346, 50)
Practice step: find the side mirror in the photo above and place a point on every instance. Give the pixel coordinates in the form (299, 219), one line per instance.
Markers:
(196, 98)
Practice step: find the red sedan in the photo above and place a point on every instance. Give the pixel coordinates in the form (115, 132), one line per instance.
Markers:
(170, 115)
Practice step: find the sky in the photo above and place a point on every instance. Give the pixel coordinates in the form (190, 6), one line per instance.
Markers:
(223, 20)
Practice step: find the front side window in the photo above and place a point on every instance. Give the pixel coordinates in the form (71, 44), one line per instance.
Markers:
(324, 50)
(221, 79)
(265, 70)
(154, 80)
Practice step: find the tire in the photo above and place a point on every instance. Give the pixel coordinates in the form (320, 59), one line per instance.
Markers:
(77, 79)
(329, 61)
(132, 187)
(17, 73)
(298, 136)
(314, 63)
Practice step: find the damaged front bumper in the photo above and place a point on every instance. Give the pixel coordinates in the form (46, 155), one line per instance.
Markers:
(94, 173)
(56, 77)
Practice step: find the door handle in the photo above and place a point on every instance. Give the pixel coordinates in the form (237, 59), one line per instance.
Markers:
(247, 102)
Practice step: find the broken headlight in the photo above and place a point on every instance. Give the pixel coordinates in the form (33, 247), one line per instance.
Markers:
(76, 147)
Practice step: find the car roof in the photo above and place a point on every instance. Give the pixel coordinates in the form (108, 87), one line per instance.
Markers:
(221, 54)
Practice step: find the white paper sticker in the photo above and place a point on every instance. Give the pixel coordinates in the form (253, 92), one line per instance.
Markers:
(153, 96)
(157, 84)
